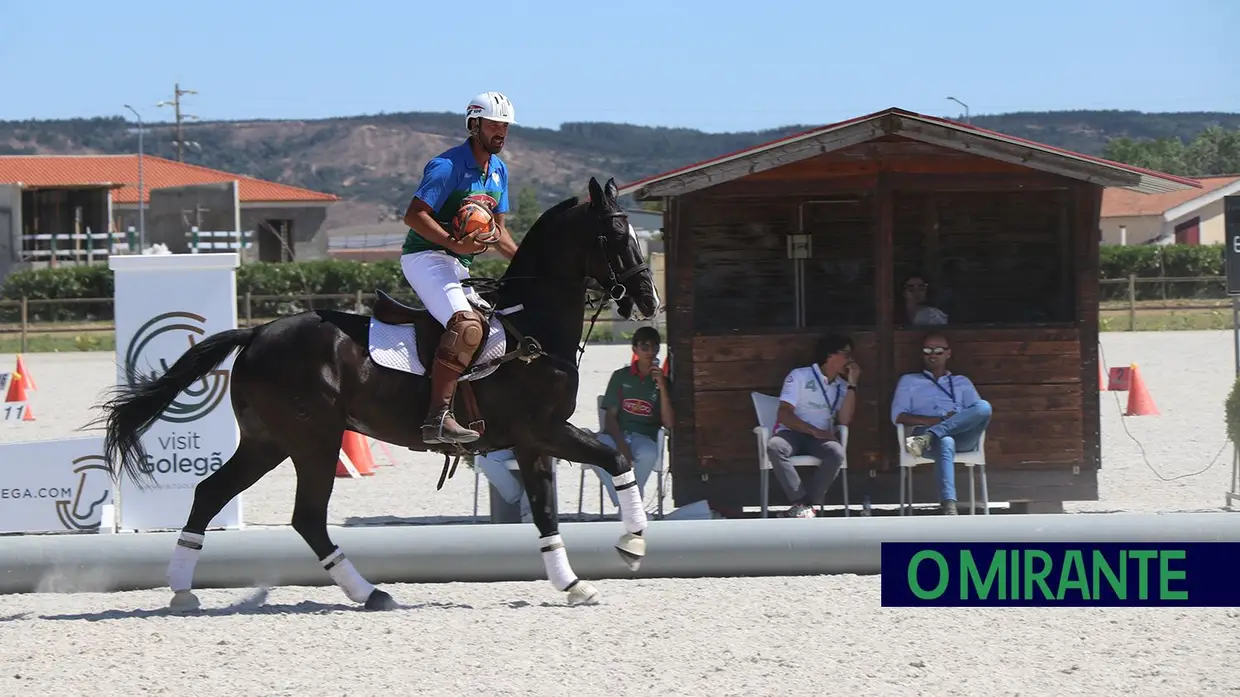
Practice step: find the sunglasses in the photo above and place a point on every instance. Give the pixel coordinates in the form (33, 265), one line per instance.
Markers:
(936, 350)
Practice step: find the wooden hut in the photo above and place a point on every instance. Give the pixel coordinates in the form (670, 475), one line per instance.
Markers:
(770, 247)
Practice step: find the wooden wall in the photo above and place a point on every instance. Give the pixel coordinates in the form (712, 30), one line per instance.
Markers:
(1031, 377)
(1024, 247)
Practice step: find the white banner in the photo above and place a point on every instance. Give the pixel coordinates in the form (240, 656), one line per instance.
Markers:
(53, 485)
(165, 303)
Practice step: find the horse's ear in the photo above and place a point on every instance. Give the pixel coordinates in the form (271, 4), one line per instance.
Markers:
(611, 190)
(596, 192)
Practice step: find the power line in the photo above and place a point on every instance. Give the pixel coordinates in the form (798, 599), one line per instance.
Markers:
(177, 92)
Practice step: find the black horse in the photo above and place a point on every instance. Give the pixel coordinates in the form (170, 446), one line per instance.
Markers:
(300, 381)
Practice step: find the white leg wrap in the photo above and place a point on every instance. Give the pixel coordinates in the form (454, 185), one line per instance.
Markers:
(342, 572)
(184, 559)
(630, 497)
(556, 560)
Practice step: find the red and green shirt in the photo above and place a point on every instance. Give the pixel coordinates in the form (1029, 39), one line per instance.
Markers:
(636, 400)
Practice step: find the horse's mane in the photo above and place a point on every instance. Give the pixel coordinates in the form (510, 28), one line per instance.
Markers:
(550, 218)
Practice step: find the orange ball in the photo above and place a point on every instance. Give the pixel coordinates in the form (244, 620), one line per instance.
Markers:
(473, 220)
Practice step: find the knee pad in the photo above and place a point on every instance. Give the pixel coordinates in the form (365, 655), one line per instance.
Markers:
(460, 340)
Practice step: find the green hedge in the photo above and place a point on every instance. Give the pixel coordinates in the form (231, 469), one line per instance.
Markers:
(1172, 261)
(292, 280)
(335, 276)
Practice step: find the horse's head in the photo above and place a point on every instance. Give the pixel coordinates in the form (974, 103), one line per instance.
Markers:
(615, 261)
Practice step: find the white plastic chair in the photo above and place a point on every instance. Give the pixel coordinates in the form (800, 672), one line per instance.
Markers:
(767, 409)
(659, 464)
(968, 458)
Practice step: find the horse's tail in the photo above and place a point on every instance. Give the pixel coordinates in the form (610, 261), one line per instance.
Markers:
(136, 405)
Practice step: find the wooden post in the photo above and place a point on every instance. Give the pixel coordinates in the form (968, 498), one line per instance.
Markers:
(884, 242)
(249, 310)
(1132, 302)
(358, 304)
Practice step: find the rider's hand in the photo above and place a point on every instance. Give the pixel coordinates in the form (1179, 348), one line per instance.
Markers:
(469, 245)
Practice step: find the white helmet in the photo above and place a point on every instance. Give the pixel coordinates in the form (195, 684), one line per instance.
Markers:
(490, 105)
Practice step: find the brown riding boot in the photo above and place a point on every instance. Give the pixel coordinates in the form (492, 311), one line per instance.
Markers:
(456, 349)
(440, 425)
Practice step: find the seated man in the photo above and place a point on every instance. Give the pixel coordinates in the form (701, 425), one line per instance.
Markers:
(494, 466)
(943, 411)
(814, 400)
(637, 403)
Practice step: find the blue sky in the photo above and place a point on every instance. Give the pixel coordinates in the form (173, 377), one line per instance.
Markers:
(669, 63)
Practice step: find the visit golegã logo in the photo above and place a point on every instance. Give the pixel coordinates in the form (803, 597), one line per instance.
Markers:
(159, 342)
(94, 489)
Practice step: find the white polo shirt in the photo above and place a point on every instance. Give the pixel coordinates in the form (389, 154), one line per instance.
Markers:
(804, 390)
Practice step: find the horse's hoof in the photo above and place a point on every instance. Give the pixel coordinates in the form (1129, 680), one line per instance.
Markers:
(583, 594)
(632, 549)
(380, 600)
(184, 601)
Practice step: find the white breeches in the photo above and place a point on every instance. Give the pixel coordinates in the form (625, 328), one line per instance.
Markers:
(436, 277)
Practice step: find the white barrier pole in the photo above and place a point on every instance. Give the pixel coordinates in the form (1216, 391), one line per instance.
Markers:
(485, 553)
(164, 304)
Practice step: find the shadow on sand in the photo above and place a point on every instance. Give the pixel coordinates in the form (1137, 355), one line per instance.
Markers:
(254, 605)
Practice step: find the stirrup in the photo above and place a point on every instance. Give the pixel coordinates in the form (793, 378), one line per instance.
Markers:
(439, 436)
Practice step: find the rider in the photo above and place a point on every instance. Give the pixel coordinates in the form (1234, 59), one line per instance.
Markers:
(435, 264)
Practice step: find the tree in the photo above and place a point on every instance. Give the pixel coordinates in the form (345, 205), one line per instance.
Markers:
(525, 213)
(1214, 151)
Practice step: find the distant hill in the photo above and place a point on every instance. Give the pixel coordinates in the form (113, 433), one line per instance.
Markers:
(375, 162)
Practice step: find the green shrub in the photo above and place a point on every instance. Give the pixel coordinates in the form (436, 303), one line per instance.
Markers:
(1231, 409)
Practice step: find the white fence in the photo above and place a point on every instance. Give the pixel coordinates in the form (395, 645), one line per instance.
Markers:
(90, 247)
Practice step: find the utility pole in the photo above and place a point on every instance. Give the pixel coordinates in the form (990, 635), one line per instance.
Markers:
(176, 105)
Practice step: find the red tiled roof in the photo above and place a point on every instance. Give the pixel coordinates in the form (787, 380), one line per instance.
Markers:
(1150, 180)
(1121, 202)
(34, 171)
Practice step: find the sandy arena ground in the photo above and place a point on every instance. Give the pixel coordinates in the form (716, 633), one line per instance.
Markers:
(670, 637)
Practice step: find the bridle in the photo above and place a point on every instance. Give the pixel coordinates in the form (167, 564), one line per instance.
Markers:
(615, 280)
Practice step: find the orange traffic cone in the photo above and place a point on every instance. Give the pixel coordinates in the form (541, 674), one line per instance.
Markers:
(16, 397)
(1140, 403)
(354, 460)
(1102, 381)
(21, 368)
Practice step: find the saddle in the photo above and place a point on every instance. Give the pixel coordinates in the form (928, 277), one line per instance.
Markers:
(427, 329)
(427, 334)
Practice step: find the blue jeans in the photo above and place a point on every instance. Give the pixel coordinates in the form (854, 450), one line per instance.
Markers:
(507, 483)
(645, 452)
(960, 432)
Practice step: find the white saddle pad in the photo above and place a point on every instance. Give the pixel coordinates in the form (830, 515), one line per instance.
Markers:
(395, 346)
